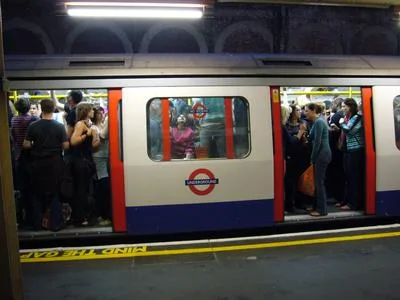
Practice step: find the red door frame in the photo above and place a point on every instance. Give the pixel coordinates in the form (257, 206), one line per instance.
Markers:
(279, 169)
(370, 161)
(116, 161)
(370, 155)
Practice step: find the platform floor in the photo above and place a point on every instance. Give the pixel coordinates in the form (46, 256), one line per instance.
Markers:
(356, 269)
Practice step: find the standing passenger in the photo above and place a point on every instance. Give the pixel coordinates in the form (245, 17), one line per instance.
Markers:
(289, 141)
(46, 138)
(19, 126)
(335, 173)
(100, 157)
(35, 110)
(84, 138)
(320, 156)
(353, 155)
(296, 157)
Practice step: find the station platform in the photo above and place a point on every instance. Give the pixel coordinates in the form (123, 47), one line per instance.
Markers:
(359, 263)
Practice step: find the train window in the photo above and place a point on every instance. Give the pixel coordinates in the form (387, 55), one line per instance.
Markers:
(199, 128)
(396, 115)
(303, 95)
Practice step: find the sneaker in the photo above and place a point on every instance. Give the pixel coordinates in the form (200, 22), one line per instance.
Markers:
(105, 223)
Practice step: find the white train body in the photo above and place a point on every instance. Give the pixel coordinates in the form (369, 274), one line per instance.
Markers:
(152, 196)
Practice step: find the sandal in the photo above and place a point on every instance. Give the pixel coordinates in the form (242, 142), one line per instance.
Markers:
(314, 213)
(345, 207)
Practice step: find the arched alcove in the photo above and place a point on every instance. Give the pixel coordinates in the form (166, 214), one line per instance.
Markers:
(104, 37)
(24, 37)
(97, 40)
(173, 38)
(244, 37)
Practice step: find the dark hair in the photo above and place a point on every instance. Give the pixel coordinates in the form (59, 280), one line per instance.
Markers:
(337, 105)
(23, 105)
(76, 96)
(350, 102)
(294, 109)
(314, 107)
(47, 106)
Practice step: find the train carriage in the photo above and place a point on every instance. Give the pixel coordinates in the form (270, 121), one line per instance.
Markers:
(242, 185)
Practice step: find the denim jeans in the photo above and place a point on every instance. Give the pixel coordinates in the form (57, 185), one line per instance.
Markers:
(320, 191)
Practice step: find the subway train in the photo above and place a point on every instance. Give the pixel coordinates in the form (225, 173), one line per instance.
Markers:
(234, 176)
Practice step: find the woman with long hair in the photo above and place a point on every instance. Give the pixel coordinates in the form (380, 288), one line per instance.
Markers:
(83, 140)
(291, 141)
(296, 158)
(352, 144)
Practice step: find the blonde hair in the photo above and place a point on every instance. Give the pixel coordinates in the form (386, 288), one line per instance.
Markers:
(285, 113)
(82, 110)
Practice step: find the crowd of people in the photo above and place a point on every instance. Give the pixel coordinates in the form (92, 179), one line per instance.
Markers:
(331, 139)
(60, 163)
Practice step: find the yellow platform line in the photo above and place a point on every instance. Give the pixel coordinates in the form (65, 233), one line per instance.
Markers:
(216, 248)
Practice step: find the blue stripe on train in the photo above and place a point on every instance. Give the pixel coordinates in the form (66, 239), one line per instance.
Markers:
(162, 219)
(388, 203)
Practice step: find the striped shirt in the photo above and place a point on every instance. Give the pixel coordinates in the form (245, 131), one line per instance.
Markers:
(354, 131)
(19, 126)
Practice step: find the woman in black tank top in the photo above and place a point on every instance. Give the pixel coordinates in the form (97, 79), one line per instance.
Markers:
(83, 141)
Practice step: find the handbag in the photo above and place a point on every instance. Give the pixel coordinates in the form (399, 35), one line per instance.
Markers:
(306, 184)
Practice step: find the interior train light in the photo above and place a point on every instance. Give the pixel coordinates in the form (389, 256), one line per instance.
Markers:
(134, 10)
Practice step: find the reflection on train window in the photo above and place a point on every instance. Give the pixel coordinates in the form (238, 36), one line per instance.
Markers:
(198, 128)
(396, 115)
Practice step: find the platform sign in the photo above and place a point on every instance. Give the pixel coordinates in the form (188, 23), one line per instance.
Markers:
(201, 178)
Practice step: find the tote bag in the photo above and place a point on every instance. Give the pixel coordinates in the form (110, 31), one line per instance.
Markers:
(306, 184)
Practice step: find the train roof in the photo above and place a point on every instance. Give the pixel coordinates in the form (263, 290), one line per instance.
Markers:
(180, 65)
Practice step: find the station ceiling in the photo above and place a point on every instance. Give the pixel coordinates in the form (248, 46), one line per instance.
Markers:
(360, 3)
(52, 4)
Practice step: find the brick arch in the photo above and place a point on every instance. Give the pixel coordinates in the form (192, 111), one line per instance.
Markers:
(156, 29)
(360, 41)
(18, 23)
(315, 39)
(111, 27)
(243, 25)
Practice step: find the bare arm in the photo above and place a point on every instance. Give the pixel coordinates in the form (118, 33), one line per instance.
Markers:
(70, 130)
(65, 145)
(104, 131)
(59, 105)
(27, 144)
(96, 139)
(80, 133)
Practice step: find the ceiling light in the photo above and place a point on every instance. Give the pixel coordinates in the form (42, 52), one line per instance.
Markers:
(134, 10)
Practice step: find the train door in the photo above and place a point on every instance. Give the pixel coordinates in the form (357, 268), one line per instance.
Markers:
(289, 169)
(386, 113)
(99, 205)
(197, 158)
